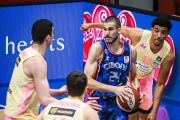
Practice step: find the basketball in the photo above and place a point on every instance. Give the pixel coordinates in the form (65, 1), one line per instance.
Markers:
(132, 104)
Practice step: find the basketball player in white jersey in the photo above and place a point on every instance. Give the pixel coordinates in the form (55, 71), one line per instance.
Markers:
(73, 107)
(29, 84)
(152, 51)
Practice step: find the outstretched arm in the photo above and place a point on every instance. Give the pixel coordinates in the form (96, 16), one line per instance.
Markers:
(132, 75)
(39, 71)
(85, 27)
(133, 33)
(160, 84)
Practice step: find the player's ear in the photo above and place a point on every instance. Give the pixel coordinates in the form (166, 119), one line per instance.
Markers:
(119, 30)
(85, 90)
(152, 29)
(47, 38)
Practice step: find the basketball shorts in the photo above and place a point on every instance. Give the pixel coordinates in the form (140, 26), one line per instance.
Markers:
(8, 118)
(146, 89)
(141, 111)
(110, 110)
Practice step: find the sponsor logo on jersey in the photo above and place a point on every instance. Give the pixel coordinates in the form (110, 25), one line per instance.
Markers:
(62, 111)
(107, 58)
(18, 60)
(155, 63)
(159, 59)
(142, 46)
(126, 59)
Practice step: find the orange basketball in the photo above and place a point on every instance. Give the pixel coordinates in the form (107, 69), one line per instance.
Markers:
(132, 104)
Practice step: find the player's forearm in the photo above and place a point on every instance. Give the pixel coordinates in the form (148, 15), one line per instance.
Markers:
(159, 90)
(135, 84)
(54, 93)
(132, 77)
(97, 86)
(96, 25)
(45, 101)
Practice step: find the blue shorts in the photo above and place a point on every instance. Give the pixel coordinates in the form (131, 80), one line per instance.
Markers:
(110, 110)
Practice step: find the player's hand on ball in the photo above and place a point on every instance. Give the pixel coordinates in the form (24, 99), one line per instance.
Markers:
(63, 90)
(123, 93)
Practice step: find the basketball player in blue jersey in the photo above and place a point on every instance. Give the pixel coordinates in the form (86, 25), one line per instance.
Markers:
(109, 63)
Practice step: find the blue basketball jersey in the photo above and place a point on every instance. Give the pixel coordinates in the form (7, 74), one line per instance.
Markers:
(113, 68)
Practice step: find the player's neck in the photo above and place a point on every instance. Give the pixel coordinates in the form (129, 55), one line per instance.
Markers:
(40, 48)
(116, 46)
(81, 98)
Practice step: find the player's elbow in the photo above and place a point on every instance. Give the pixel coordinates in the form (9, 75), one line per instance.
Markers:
(45, 101)
(160, 84)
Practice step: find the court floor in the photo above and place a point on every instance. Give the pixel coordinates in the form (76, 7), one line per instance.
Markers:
(169, 110)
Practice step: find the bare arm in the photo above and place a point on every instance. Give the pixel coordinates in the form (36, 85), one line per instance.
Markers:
(134, 34)
(132, 75)
(58, 92)
(85, 27)
(94, 56)
(39, 72)
(90, 114)
(159, 88)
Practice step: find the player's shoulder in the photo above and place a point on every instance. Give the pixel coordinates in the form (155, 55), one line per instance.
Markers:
(90, 114)
(34, 61)
(170, 56)
(168, 59)
(97, 47)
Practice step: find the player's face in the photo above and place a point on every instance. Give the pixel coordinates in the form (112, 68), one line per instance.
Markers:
(159, 34)
(111, 33)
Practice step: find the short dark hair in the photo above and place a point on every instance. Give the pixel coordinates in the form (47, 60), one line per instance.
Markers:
(40, 29)
(76, 83)
(162, 21)
(113, 19)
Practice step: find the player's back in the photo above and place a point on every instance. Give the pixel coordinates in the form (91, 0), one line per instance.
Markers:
(65, 109)
(22, 100)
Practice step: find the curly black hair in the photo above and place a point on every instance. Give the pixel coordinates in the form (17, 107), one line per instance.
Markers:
(162, 21)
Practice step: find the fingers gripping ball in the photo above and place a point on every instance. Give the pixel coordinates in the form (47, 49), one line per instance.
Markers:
(132, 104)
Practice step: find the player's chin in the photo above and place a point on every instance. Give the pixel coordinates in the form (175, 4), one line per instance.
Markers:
(109, 41)
(158, 43)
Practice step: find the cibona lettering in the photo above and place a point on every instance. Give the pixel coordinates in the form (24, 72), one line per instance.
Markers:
(109, 65)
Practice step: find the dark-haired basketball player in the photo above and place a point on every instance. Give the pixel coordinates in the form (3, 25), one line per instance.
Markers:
(108, 64)
(71, 108)
(29, 84)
